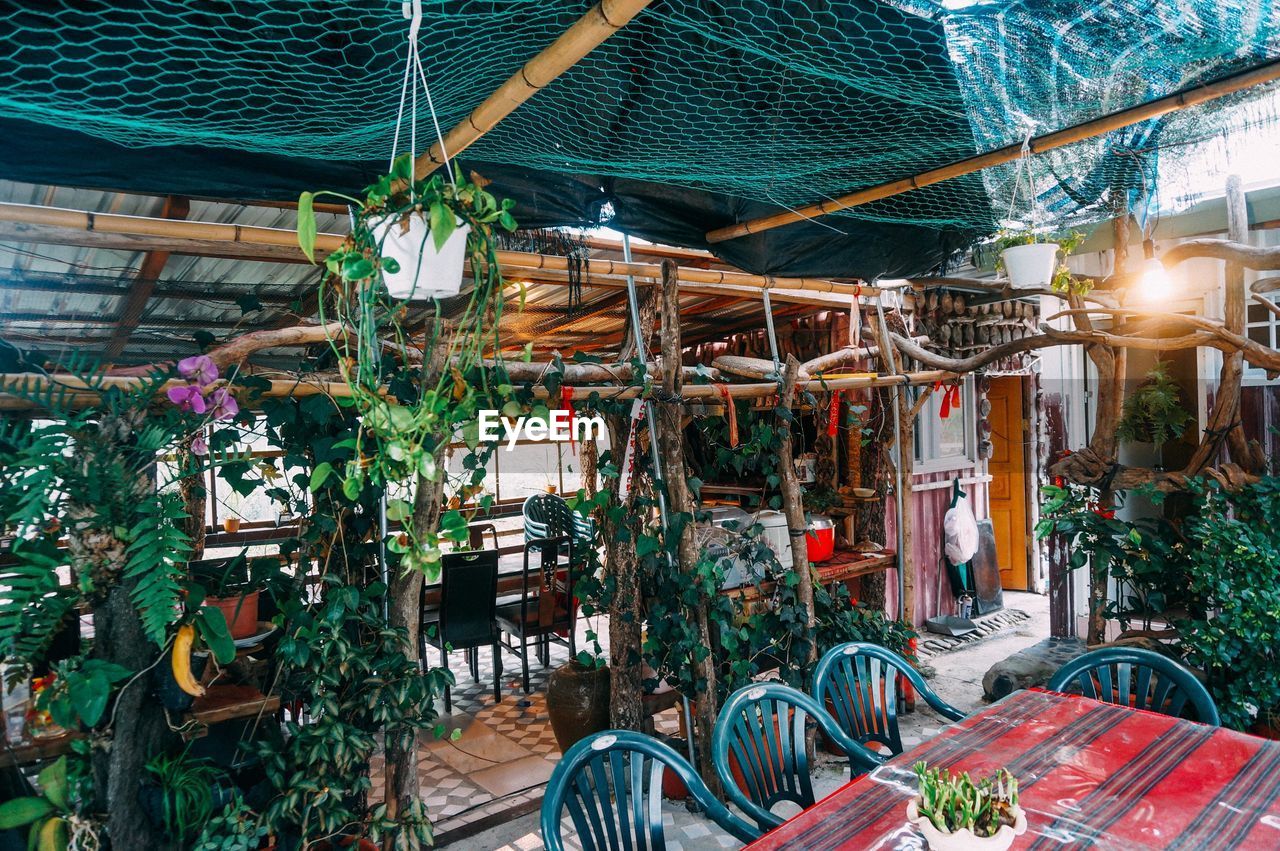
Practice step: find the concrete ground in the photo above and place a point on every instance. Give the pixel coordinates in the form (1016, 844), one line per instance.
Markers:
(957, 678)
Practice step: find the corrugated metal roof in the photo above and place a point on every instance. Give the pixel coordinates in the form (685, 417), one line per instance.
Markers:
(58, 297)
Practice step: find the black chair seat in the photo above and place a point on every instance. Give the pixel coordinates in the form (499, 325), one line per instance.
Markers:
(509, 619)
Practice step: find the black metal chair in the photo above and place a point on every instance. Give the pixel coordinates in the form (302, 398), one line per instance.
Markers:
(466, 619)
(546, 611)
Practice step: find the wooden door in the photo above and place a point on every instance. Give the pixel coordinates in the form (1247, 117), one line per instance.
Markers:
(1008, 470)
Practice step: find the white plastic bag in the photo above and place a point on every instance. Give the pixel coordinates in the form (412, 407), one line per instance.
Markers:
(960, 532)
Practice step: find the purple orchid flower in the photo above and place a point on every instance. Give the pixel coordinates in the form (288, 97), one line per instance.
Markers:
(199, 446)
(201, 369)
(225, 406)
(188, 398)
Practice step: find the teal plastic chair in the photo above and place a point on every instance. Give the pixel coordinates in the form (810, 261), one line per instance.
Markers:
(611, 784)
(759, 742)
(860, 682)
(1142, 679)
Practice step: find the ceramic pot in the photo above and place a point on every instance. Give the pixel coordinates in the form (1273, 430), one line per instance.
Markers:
(964, 840)
(424, 272)
(241, 613)
(577, 702)
(1030, 266)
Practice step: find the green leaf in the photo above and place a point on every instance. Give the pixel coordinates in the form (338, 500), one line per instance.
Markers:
(319, 475)
(20, 811)
(212, 624)
(307, 224)
(53, 782)
(443, 222)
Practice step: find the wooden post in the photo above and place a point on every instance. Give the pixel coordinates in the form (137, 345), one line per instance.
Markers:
(622, 564)
(404, 611)
(906, 455)
(793, 505)
(1233, 316)
(680, 505)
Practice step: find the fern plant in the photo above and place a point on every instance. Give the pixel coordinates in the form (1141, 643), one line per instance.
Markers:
(1154, 413)
(87, 476)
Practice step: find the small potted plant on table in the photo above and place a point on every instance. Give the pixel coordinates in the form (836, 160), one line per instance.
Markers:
(956, 814)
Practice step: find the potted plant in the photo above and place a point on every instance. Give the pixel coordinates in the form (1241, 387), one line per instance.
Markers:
(1154, 413)
(228, 586)
(956, 814)
(1032, 260)
(578, 696)
(182, 793)
(52, 815)
(413, 235)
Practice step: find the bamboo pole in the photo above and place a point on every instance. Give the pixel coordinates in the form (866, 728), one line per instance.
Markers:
(82, 393)
(1265, 73)
(280, 245)
(587, 33)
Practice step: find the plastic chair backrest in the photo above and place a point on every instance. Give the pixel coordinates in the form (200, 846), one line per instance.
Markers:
(548, 515)
(468, 597)
(859, 681)
(1142, 679)
(611, 785)
(758, 748)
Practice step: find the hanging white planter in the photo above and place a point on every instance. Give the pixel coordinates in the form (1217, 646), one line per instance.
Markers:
(1030, 266)
(424, 272)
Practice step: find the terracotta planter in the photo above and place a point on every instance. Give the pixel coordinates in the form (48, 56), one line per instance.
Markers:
(231, 525)
(241, 613)
(577, 702)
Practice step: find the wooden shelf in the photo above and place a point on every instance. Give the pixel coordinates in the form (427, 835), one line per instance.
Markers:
(227, 703)
(26, 752)
(846, 564)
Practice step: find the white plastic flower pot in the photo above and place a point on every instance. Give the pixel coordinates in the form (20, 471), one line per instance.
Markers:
(965, 840)
(424, 272)
(1030, 266)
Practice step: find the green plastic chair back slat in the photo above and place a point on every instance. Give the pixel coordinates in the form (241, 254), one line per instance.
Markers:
(758, 748)
(860, 682)
(1142, 679)
(610, 784)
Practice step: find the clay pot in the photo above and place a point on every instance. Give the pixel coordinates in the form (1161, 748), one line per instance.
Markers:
(231, 525)
(577, 702)
(241, 613)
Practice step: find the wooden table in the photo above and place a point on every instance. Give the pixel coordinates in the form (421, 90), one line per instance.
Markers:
(1092, 775)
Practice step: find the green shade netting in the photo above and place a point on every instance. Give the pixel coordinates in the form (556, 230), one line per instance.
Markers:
(776, 104)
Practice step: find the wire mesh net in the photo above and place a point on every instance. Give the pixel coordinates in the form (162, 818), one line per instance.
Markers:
(785, 102)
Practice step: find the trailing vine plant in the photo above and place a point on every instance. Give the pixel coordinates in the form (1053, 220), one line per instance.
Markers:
(402, 437)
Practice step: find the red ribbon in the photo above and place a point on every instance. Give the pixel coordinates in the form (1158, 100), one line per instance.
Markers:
(950, 399)
(723, 390)
(833, 414)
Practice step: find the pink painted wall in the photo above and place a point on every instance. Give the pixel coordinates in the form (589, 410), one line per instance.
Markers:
(928, 507)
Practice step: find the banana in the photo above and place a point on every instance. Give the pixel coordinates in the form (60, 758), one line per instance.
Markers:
(182, 661)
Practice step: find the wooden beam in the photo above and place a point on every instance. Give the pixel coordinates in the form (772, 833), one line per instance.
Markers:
(1265, 73)
(33, 223)
(144, 284)
(587, 33)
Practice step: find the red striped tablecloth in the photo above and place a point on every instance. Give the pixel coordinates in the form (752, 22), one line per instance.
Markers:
(1092, 775)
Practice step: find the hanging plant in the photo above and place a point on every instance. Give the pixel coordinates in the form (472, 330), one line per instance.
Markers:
(1154, 413)
(1031, 258)
(403, 433)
